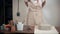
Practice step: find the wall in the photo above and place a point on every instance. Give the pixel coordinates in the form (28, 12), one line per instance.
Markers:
(59, 13)
(50, 11)
(22, 9)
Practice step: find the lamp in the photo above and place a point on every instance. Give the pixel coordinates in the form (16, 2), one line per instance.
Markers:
(18, 13)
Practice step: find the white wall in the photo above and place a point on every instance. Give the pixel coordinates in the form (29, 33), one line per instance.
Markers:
(50, 11)
(59, 12)
(22, 9)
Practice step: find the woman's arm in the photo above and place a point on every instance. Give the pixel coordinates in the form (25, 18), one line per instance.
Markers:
(26, 2)
(43, 3)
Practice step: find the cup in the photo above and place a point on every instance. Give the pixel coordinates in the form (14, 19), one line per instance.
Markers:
(20, 26)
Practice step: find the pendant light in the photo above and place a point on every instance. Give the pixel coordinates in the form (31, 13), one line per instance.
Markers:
(18, 13)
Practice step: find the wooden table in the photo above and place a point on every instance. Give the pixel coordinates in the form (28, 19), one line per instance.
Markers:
(25, 31)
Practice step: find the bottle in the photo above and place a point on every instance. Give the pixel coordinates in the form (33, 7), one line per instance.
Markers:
(2, 27)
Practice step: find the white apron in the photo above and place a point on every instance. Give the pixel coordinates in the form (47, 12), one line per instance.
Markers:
(34, 16)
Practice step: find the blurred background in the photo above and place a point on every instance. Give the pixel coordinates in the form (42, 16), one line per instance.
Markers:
(51, 11)
(5, 11)
(8, 11)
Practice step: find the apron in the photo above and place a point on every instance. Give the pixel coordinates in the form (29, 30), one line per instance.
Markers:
(34, 15)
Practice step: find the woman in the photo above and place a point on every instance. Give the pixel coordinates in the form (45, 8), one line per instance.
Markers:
(34, 16)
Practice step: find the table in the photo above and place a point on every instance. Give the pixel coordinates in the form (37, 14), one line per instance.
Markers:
(26, 31)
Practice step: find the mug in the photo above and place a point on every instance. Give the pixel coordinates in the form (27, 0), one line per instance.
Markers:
(20, 26)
